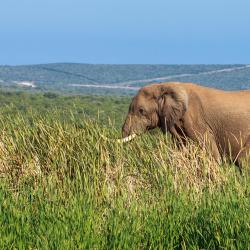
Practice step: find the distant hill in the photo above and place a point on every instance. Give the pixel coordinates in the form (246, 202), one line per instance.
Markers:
(72, 78)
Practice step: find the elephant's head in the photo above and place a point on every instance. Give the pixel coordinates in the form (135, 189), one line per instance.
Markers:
(156, 105)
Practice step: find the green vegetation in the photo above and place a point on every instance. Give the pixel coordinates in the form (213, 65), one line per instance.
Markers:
(65, 187)
(105, 108)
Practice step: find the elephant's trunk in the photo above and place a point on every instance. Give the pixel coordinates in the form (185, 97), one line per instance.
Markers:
(128, 127)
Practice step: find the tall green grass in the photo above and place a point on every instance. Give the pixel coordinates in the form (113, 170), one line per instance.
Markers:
(63, 186)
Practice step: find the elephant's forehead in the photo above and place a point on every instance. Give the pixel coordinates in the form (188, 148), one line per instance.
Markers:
(139, 100)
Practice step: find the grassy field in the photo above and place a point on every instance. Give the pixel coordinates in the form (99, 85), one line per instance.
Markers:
(64, 187)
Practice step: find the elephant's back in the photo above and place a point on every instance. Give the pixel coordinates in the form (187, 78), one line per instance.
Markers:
(218, 96)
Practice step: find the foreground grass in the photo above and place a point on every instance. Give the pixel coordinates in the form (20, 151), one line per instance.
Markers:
(64, 187)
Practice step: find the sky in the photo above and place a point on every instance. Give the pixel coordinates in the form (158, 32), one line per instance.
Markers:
(125, 31)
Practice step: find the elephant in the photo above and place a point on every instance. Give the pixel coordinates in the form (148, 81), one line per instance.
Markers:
(214, 118)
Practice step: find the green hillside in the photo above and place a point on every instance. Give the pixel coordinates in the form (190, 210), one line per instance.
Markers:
(64, 77)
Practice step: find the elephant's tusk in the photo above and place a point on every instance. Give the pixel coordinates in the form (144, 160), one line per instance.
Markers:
(126, 139)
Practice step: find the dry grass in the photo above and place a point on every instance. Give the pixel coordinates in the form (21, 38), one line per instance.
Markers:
(147, 162)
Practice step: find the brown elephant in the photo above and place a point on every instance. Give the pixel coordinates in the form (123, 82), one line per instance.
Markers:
(217, 119)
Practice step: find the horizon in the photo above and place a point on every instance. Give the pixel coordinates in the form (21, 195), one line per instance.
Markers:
(111, 32)
(129, 64)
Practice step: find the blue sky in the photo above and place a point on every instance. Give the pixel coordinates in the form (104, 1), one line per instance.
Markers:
(125, 31)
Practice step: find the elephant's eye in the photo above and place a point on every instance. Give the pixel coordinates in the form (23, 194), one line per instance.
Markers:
(142, 111)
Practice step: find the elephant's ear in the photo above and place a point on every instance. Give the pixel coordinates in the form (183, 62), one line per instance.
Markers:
(173, 103)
